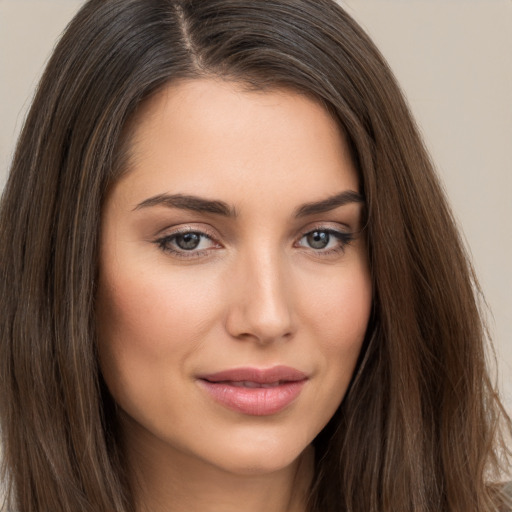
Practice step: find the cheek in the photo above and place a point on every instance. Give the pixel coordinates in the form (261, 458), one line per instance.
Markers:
(339, 305)
(158, 309)
(346, 313)
(149, 320)
(337, 319)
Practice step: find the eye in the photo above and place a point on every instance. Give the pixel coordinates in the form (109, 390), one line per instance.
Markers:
(326, 240)
(318, 239)
(187, 243)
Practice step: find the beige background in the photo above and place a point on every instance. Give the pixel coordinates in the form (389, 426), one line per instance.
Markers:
(454, 61)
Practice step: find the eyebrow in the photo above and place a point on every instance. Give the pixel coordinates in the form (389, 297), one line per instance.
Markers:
(188, 202)
(326, 205)
(200, 204)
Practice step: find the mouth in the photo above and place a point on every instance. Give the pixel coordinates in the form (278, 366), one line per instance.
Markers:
(252, 385)
(255, 392)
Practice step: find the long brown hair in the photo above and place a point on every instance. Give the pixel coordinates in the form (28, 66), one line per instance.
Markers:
(421, 427)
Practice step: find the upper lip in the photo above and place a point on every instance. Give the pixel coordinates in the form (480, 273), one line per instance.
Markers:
(257, 375)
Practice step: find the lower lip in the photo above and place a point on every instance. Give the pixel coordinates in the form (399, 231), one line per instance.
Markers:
(254, 401)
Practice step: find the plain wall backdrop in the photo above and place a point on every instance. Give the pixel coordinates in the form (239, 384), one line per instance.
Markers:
(453, 59)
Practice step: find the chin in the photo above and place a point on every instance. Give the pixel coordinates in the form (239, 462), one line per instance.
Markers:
(260, 455)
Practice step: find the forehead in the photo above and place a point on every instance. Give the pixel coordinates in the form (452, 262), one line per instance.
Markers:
(216, 138)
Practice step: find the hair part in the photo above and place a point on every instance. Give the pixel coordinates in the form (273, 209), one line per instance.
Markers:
(421, 427)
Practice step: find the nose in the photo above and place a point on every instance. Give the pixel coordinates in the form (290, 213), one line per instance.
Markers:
(260, 308)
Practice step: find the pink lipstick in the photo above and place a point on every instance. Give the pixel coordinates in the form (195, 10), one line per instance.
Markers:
(253, 391)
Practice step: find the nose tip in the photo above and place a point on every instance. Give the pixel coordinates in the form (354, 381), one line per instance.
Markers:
(261, 309)
(265, 327)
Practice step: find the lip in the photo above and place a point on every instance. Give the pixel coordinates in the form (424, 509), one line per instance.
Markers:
(254, 391)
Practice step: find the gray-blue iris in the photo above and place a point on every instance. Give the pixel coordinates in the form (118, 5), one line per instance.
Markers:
(188, 241)
(318, 239)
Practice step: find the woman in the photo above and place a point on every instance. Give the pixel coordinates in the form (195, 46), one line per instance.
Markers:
(227, 283)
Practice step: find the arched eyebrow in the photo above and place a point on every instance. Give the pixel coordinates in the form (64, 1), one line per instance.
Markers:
(189, 202)
(326, 205)
(203, 205)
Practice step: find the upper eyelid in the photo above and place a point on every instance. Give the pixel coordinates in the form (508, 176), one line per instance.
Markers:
(321, 226)
(177, 233)
(326, 226)
(345, 236)
(174, 231)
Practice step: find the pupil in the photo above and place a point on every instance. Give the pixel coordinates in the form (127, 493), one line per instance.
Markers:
(188, 241)
(318, 239)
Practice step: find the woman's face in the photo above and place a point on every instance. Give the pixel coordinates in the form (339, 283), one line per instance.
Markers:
(234, 288)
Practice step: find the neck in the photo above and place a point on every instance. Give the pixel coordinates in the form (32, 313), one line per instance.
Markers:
(167, 480)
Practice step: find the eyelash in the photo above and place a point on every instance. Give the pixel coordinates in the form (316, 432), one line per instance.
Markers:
(343, 238)
(164, 243)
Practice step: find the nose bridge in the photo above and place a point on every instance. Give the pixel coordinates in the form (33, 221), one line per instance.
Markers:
(261, 306)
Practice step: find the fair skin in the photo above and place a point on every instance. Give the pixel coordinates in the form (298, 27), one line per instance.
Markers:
(262, 280)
